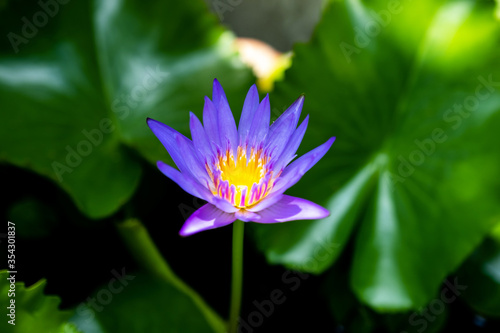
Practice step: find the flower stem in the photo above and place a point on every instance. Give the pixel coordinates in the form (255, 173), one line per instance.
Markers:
(237, 275)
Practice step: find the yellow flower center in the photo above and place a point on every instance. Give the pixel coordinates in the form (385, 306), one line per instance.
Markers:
(244, 180)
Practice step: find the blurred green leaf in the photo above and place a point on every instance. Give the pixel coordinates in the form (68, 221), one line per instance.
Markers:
(142, 247)
(151, 300)
(146, 304)
(77, 81)
(411, 91)
(32, 310)
(353, 316)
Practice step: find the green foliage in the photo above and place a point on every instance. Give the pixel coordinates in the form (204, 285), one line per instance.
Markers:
(76, 93)
(135, 309)
(137, 238)
(140, 296)
(412, 94)
(34, 311)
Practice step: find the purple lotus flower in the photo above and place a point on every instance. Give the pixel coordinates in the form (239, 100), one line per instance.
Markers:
(241, 172)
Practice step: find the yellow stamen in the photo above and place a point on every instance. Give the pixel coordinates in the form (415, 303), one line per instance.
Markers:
(242, 172)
